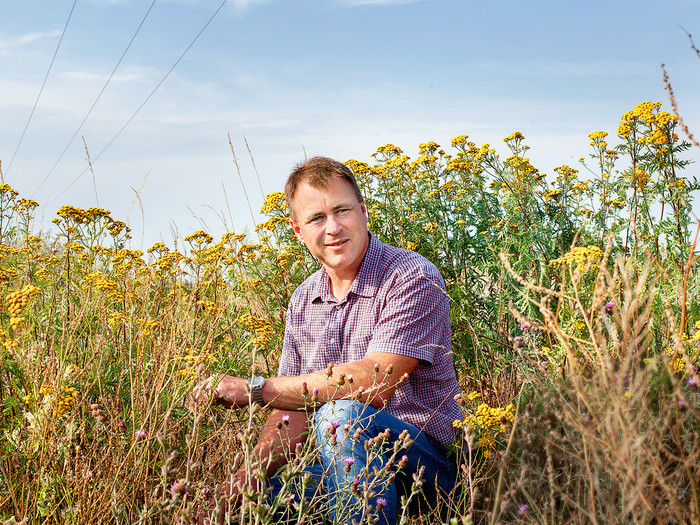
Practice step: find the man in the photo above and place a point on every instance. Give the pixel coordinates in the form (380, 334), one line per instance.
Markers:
(367, 349)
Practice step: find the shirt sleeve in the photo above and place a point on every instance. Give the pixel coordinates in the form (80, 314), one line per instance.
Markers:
(415, 320)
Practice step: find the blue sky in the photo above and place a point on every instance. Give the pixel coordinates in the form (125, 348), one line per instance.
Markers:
(302, 77)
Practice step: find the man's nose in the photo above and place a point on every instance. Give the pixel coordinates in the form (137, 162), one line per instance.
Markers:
(333, 226)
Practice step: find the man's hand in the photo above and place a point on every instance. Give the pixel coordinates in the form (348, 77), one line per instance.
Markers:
(228, 391)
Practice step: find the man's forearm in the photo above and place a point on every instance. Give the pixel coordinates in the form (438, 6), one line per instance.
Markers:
(278, 439)
(371, 380)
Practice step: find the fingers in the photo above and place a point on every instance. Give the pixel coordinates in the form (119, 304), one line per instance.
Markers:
(201, 395)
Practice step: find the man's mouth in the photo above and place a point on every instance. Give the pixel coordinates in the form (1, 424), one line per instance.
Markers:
(336, 244)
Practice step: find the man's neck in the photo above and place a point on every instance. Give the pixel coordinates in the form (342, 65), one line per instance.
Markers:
(340, 286)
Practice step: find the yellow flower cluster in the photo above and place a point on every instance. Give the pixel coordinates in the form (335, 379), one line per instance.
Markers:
(580, 255)
(524, 171)
(16, 301)
(597, 136)
(199, 237)
(516, 135)
(565, 173)
(7, 273)
(194, 360)
(248, 251)
(6, 188)
(388, 150)
(657, 121)
(148, 326)
(696, 336)
(60, 402)
(459, 140)
(166, 260)
(615, 203)
(357, 167)
(81, 216)
(66, 400)
(678, 363)
(549, 195)
(289, 254)
(639, 177)
(124, 260)
(115, 319)
(25, 204)
(99, 281)
(271, 224)
(262, 328)
(411, 245)
(431, 227)
(428, 148)
(487, 421)
(208, 307)
(274, 201)
(580, 187)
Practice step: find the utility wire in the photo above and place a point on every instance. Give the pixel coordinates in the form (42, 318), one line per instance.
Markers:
(96, 100)
(144, 102)
(42, 88)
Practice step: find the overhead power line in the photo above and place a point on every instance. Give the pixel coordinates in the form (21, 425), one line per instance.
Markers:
(144, 102)
(53, 59)
(96, 100)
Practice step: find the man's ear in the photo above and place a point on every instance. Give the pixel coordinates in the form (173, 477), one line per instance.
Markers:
(296, 230)
(363, 207)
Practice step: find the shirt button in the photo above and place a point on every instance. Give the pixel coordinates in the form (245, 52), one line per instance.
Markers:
(332, 341)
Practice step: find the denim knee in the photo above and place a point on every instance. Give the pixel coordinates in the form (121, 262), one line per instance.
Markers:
(343, 414)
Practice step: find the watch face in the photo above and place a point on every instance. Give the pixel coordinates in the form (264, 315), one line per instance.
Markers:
(257, 381)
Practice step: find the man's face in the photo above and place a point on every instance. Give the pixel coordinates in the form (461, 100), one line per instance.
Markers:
(332, 223)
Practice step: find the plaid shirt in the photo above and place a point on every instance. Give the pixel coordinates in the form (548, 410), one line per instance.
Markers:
(396, 304)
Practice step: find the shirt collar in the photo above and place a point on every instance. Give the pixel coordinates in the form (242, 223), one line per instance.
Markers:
(366, 282)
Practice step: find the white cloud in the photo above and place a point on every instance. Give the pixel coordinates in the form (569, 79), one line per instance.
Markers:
(84, 75)
(358, 3)
(539, 68)
(8, 42)
(241, 5)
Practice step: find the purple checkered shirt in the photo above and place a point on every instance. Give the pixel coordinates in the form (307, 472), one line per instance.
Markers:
(396, 304)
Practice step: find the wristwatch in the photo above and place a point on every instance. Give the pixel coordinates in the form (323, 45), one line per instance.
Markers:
(256, 383)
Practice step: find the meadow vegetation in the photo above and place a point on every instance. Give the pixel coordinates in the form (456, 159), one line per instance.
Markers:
(576, 333)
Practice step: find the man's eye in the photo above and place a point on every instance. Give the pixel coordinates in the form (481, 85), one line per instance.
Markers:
(316, 219)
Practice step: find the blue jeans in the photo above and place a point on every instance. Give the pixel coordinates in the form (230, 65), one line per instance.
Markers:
(353, 474)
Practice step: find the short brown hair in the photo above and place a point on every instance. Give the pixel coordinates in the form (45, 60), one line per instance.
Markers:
(318, 172)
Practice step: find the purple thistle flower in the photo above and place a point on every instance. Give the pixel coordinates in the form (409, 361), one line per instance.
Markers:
(315, 391)
(285, 419)
(610, 305)
(692, 382)
(523, 509)
(140, 433)
(681, 403)
(525, 326)
(381, 502)
(348, 461)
